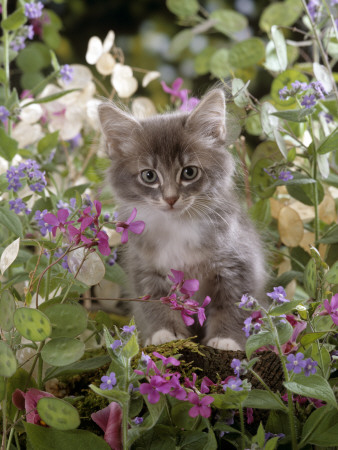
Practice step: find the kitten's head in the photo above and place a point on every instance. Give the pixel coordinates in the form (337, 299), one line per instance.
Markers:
(172, 162)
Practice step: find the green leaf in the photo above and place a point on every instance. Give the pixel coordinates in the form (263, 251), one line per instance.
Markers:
(41, 438)
(260, 436)
(329, 144)
(11, 221)
(7, 308)
(180, 42)
(280, 13)
(280, 46)
(260, 180)
(131, 348)
(116, 274)
(331, 236)
(52, 97)
(114, 394)
(33, 58)
(8, 146)
(321, 428)
(253, 124)
(14, 20)
(48, 143)
(8, 362)
(230, 399)
(219, 63)
(310, 278)
(247, 53)
(68, 320)
(332, 275)
(71, 192)
(285, 308)
(269, 122)
(32, 324)
(228, 22)
(305, 192)
(239, 92)
(183, 9)
(62, 351)
(260, 399)
(313, 386)
(78, 367)
(260, 213)
(309, 338)
(180, 417)
(284, 330)
(256, 341)
(58, 413)
(193, 440)
(202, 61)
(294, 115)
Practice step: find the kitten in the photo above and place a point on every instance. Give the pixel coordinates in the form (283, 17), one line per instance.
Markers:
(175, 170)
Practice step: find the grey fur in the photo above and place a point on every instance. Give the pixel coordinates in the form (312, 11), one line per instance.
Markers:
(206, 234)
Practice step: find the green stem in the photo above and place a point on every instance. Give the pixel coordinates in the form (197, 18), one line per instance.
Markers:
(42, 343)
(266, 387)
(11, 433)
(315, 185)
(4, 418)
(125, 411)
(291, 415)
(241, 416)
(5, 40)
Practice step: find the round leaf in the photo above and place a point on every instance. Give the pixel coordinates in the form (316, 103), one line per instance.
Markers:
(305, 192)
(180, 42)
(228, 22)
(280, 45)
(280, 13)
(9, 255)
(32, 324)
(202, 61)
(92, 270)
(34, 57)
(260, 180)
(219, 63)
(7, 308)
(247, 53)
(183, 9)
(290, 227)
(58, 413)
(7, 361)
(68, 320)
(62, 351)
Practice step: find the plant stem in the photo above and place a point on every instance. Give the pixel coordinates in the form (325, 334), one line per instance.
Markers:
(292, 422)
(266, 387)
(315, 185)
(241, 416)
(4, 418)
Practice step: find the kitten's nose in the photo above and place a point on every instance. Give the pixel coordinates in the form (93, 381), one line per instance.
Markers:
(171, 200)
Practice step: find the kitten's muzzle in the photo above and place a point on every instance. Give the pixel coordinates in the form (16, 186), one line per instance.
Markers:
(171, 200)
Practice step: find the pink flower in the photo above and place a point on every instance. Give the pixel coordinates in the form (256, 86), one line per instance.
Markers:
(177, 390)
(201, 407)
(204, 385)
(157, 384)
(135, 227)
(332, 308)
(190, 384)
(58, 221)
(167, 361)
(103, 243)
(188, 287)
(249, 415)
(28, 401)
(201, 311)
(188, 104)
(110, 420)
(174, 90)
(77, 235)
(86, 213)
(292, 345)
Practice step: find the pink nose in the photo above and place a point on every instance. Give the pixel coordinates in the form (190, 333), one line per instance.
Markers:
(171, 200)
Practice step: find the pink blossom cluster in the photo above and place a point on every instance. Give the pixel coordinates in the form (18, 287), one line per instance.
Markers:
(179, 298)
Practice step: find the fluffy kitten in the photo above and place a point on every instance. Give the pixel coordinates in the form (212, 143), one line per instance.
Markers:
(175, 170)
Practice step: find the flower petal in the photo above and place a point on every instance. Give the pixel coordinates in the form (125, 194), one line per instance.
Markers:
(132, 216)
(51, 219)
(137, 227)
(110, 419)
(62, 214)
(109, 41)
(94, 50)
(124, 237)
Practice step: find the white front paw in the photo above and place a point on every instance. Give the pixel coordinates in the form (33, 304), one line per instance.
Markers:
(162, 336)
(224, 343)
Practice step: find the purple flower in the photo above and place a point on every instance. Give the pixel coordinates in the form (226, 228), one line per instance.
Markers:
(128, 329)
(58, 221)
(332, 308)
(76, 236)
(138, 420)
(145, 358)
(165, 361)
(249, 416)
(308, 101)
(18, 43)
(234, 384)
(188, 287)
(201, 311)
(188, 104)
(285, 175)
(129, 225)
(108, 381)
(175, 89)
(278, 295)
(44, 227)
(157, 384)
(103, 243)
(19, 206)
(313, 8)
(298, 86)
(66, 73)
(201, 405)
(112, 260)
(296, 362)
(4, 113)
(177, 390)
(206, 382)
(248, 302)
(310, 367)
(319, 89)
(117, 343)
(284, 93)
(247, 327)
(237, 366)
(269, 435)
(33, 10)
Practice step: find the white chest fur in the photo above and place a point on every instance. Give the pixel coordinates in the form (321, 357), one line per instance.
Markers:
(176, 244)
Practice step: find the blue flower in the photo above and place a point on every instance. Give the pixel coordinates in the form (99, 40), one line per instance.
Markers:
(108, 381)
(296, 362)
(33, 10)
(247, 301)
(247, 327)
(284, 93)
(310, 367)
(18, 206)
(278, 295)
(138, 420)
(234, 384)
(44, 227)
(127, 329)
(308, 101)
(269, 435)
(66, 73)
(4, 113)
(117, 343)
(285, 175)
(237, 366)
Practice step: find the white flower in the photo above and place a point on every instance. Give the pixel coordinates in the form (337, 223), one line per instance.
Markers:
(123, 81)
(98, 53)
(27, 134)
(31, 113)
(150, 76)
(143, 107)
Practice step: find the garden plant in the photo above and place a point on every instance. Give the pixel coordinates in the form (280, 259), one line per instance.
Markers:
(60, 231)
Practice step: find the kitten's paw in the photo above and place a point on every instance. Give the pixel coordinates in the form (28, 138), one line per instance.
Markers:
(224, 343)
(162, 336)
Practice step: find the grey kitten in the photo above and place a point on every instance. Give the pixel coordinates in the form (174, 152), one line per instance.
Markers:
(175, 170)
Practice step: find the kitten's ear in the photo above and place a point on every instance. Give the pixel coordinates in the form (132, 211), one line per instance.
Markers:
(208, 118)
(117, 125)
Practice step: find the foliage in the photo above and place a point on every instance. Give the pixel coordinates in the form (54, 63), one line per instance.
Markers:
(56, 236)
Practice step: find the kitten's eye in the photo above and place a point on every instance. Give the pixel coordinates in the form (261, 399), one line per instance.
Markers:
(149, 176)
(189, 173)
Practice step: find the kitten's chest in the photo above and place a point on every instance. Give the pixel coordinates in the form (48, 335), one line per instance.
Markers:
(173, 244)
